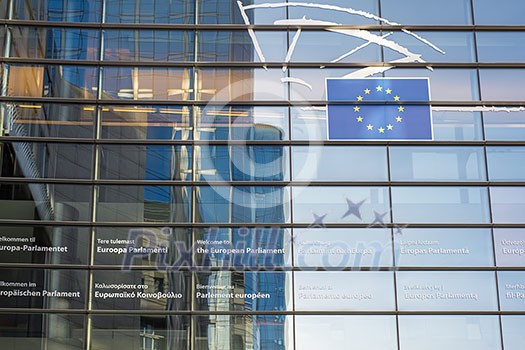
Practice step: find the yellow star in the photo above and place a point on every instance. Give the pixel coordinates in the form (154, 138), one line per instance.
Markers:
(356, 109)
(401, 108)
(399, 119)
(396, 98)
(389, 126)
(359, 119)
(369, 126)
(360, 98)
(367, 91)
(379, 88)
(381, 130)
(388, 91)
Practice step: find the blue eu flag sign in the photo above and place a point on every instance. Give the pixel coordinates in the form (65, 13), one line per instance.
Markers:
(379, 109)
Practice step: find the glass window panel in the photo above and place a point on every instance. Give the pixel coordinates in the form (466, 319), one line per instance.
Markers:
(52, 81)
(456, 125)
(315, 79)
(511, 286)
(242, 163)
(226, 85)
(237, 46)
(145, 162)
(3, 9)
(506, 163)
(163, 247)
(456, 46)
(445, 84)
(501, 46)
(48, 160)
(2, 31)
(513, 335)
(344, 291)
(504, 126)
(144, 203)
(154, 11)
(243, 291)
(508, 204)
(146, 122)
(142, 83)
(309, 123)
(337, 332)
(418, 163)
(148, 45)
(438, 332)
(39, 201)
(508, 12)
(327, 248)
(502, 84)
(242, 204)
(43, 289)
(135, 331)
(319, 205)
(244, 247)
(37, 331)
(339, 163)
(58, 11)
(49, 120)
(445, 12)
(44, 245)
(241, 123)
(228, 12)
(244, 332)
(446, 291)
(141, 290)
(440, 204)
(331, 46)
(443, 247)
(55, 43)
(340, 14)
(510, 247)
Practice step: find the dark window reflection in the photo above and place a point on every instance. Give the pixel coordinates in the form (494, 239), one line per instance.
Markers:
(152, 11)
(58, 11)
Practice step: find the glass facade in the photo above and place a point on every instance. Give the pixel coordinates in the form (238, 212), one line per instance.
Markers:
(167, 179)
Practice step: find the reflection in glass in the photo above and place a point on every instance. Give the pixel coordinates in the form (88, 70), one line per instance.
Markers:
(417, 12)
(455, 163)
(501, 46)
(510, 247)
(338, 16)
(153, 11)
(508, 204)
(308, 124)
(504, 126)
(438, 332)
(511, 285)
(440, 204)
(508, 12)
(502, 84)
(58, 11)
(148, 45)
(145, 162)
(461, 126)
(132, 203)
(513, 335)
(506, 163)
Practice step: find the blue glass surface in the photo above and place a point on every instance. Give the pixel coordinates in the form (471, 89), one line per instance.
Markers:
(508, 204)
(506, 163)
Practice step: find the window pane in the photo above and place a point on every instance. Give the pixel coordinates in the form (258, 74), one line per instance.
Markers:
(460, 126)
(228, 12)
(141, 290)
(319, 205)
(513, 335)
(322, 247)
(502, 84)
(309, 123)
(504, 126)
(438, 332)
(510, 247)
(456, 163)
(153, 11)
(501, 46)
(419, 12)
(443, 247)
(44, 244)
(512, 290)
(315, 79)
(338, 15)
(506, 163)
(341, 163)
(446, 291)
(141, 83)
(56, 43)
(508, 12)
(336, 332)
(146, 122)
(66, 11)
(508, 204)
(145, 162)
(148, 45)
(344, 291)
(52, 81)
(37, 331)
(144, 203)
(242, 163)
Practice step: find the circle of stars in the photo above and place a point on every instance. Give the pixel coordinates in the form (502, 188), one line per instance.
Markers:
(381, 129)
